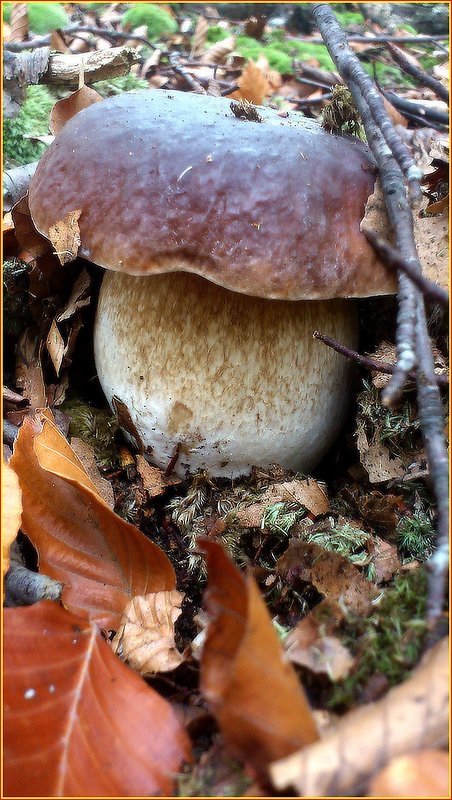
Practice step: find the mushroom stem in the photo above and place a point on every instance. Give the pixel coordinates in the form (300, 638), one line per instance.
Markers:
(235, 380)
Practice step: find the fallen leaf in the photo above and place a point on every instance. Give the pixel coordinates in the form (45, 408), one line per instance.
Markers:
(431, 235)
(199, 37)
(385, 559)
(68, 107)
(252, 689)
(218, 52)
(102, 560)
(79, 297)
(145, 637)
(55, 346)
(253, 85)
(154, 479)
(307, 493)
(28, 237)
(11, 511)
(421, 774)
(65, 236)
(377, 460)
(85, 453)
(411, 716)
(78, 722)
(19, 22)
(333, 575)
(29, 375)
(310, 645)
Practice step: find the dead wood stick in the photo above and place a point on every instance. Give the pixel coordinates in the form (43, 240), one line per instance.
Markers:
(416, 72)
(394, 260)
(23, 587)
(365, 361)
(65, 68)
(15, 183)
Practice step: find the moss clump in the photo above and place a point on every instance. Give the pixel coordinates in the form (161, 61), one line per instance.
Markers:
(301, 51)
(159, 23)
(33, 119)
(42, 17)
(348, 18)
(389, 642)
(95, 426)
(415, 536)
(252, 49)
(216, 34)
(125, 83)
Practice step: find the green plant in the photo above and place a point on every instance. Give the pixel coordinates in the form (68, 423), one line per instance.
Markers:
(125, 83)
(348, 18)
(389, 642)
(216, 34)
(32, 119)
(415, 536)
(158, 22)
(252, 49)
(42, 17)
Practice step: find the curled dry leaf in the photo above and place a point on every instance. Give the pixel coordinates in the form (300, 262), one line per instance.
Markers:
(253, 691)
(11, 511)
(333, 575)
(411, 716)
(102, 560)
(85, 453)
(253, 85)
(377, 460)
(77, 721)
(311, 645)
(19, 22)
(308, 493)
(199, 37)
(68, 107)
(65, 236)
(218, 52)
(145, 637)
(154, 479)
(385, 559)
(421, 774)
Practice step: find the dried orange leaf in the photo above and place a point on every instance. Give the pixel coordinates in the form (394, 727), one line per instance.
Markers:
(11, 511)
(253, 85)
(411, 716)
(65, 236)
(19, 22)
(311, 645)
(77, 721)
(422, 774)
(218, 52)
(333, 575)
(68, 107)
(102, 560)
(377, 460)
(253, 691)
(85, 453)
(145, 637)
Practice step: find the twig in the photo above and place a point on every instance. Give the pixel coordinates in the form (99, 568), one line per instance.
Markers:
(393, 259)
(15, 183)
(10, 433)
(413, 342)
(419, 74)
(368, 363)
(23, 587)
(427, 114)
(191, 80)
(72, 30)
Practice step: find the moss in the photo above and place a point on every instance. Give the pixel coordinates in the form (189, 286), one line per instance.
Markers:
(302, 51)
(33, 118)
(415, 536)
(42, 17)
(125, 83)
(252, 49)
(159, 23)
(348, 18)
(389, 642)
(216, 34)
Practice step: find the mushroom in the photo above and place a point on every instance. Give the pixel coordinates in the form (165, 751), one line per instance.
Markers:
(229, 242)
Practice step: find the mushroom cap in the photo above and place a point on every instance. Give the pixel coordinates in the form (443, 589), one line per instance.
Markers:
(174, 181)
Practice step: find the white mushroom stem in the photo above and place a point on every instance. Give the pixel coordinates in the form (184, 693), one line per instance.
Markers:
(237, 381)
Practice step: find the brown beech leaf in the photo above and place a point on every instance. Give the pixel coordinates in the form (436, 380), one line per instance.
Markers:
(154, 479)
(145, 637)
(28, 237)
(77, 721)
(199, 37)
(409, 717)
(19, 22)
(65, 236)
(253, 85)
(253, 690)
(421, 774)
(85, 453)
(11, 511)
(332, 574)
(102, 560)
(217, 53)
(307, 492)
(311, 645)
(68, 107)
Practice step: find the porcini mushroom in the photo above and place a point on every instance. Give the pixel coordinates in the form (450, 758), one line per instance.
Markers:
(229, 242)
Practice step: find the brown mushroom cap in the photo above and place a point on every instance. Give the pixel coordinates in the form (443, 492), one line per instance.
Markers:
(173, 181)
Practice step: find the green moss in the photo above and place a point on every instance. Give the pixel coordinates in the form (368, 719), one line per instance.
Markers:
(42, 17)
(389, 642)
(33, 118)
(302, 51)
(252, 49)
(348, 18)
(159, 23)
(125, 83)
(216, 34)
(415, 536)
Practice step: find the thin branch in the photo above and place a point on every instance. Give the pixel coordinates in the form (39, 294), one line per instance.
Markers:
(190, 79)
(73, 30)
(427, 114)
(413, 341)
(393, 259)
(366, 362)
(10, 433)
(419, 74)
